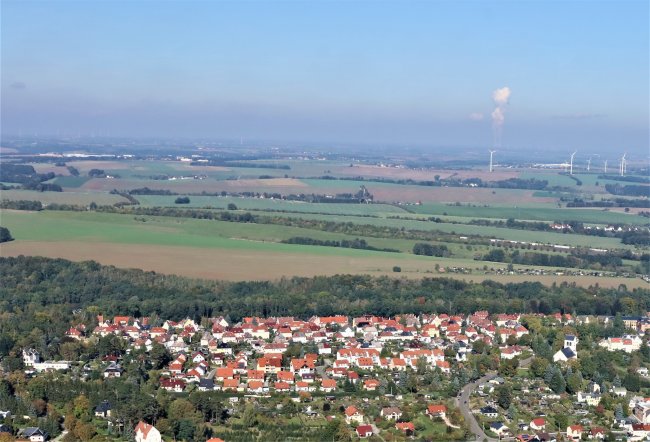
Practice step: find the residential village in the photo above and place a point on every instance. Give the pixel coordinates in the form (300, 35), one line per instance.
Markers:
(429, 377)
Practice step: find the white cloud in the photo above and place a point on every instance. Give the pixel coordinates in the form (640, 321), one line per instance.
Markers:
(501, 96)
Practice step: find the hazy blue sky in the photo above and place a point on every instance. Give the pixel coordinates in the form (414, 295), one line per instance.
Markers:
(392, 72)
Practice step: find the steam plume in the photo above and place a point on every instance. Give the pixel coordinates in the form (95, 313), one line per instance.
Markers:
(500, 97)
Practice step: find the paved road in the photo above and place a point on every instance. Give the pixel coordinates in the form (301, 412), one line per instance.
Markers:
(462, 402)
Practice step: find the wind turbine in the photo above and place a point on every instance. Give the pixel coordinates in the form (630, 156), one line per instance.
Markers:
(605, 166)
(588, 164)
(622, 166)
(491, 154)
(571, 163)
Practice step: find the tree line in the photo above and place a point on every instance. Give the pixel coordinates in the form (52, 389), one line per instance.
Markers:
(343, 243)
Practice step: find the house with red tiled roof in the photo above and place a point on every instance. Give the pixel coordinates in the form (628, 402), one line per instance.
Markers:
(353, 415)
(145, 432)
(303, 366)
(371, 384)
(255, 374)
(444, 366)
(285, 376)
(364, 431)
(121, 320)
(436, 411)
(224, 373)
(408, 428)
(574, 432)
(597, 433)
(328, 385)
(230, 384)
(269, 364)
(538, 424)
(256, 386)
(74, 333)
(175, 385)
(302, 386)
(281, 387)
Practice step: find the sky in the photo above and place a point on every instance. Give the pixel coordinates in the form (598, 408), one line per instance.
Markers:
(385, 72)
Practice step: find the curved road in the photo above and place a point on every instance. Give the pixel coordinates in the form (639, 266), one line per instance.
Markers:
(462, 402)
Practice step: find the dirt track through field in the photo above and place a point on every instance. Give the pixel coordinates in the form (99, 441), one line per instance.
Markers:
(240, 265)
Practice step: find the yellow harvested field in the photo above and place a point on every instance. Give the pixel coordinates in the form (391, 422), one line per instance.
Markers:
(240, 265)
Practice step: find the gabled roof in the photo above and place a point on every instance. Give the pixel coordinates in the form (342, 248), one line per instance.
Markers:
(103, 407)
(33, 431)
(568, 353)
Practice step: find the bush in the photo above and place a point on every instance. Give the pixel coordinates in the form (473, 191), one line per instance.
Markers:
(182, 200)
(397, 269)
(232, 206)
(5, 235)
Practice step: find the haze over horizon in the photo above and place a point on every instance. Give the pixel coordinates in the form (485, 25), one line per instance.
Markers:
(371, 72)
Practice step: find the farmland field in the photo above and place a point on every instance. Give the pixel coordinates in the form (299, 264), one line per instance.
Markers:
(549, 213)
(70, 181)
(214, 249)
(269, 204)
(72, 197)
(553, 178)
(465, 229)
(239, 265)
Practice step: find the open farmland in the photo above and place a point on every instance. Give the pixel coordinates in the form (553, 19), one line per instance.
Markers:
(525, 212)
(412, 223)
(240, 265)
(402, 173)
(142, 169)
(69, 197)
(221, 250)
(281, 185)
(272, 205)
(125, 229)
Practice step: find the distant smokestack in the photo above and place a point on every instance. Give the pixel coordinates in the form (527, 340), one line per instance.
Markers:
(500, 98)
